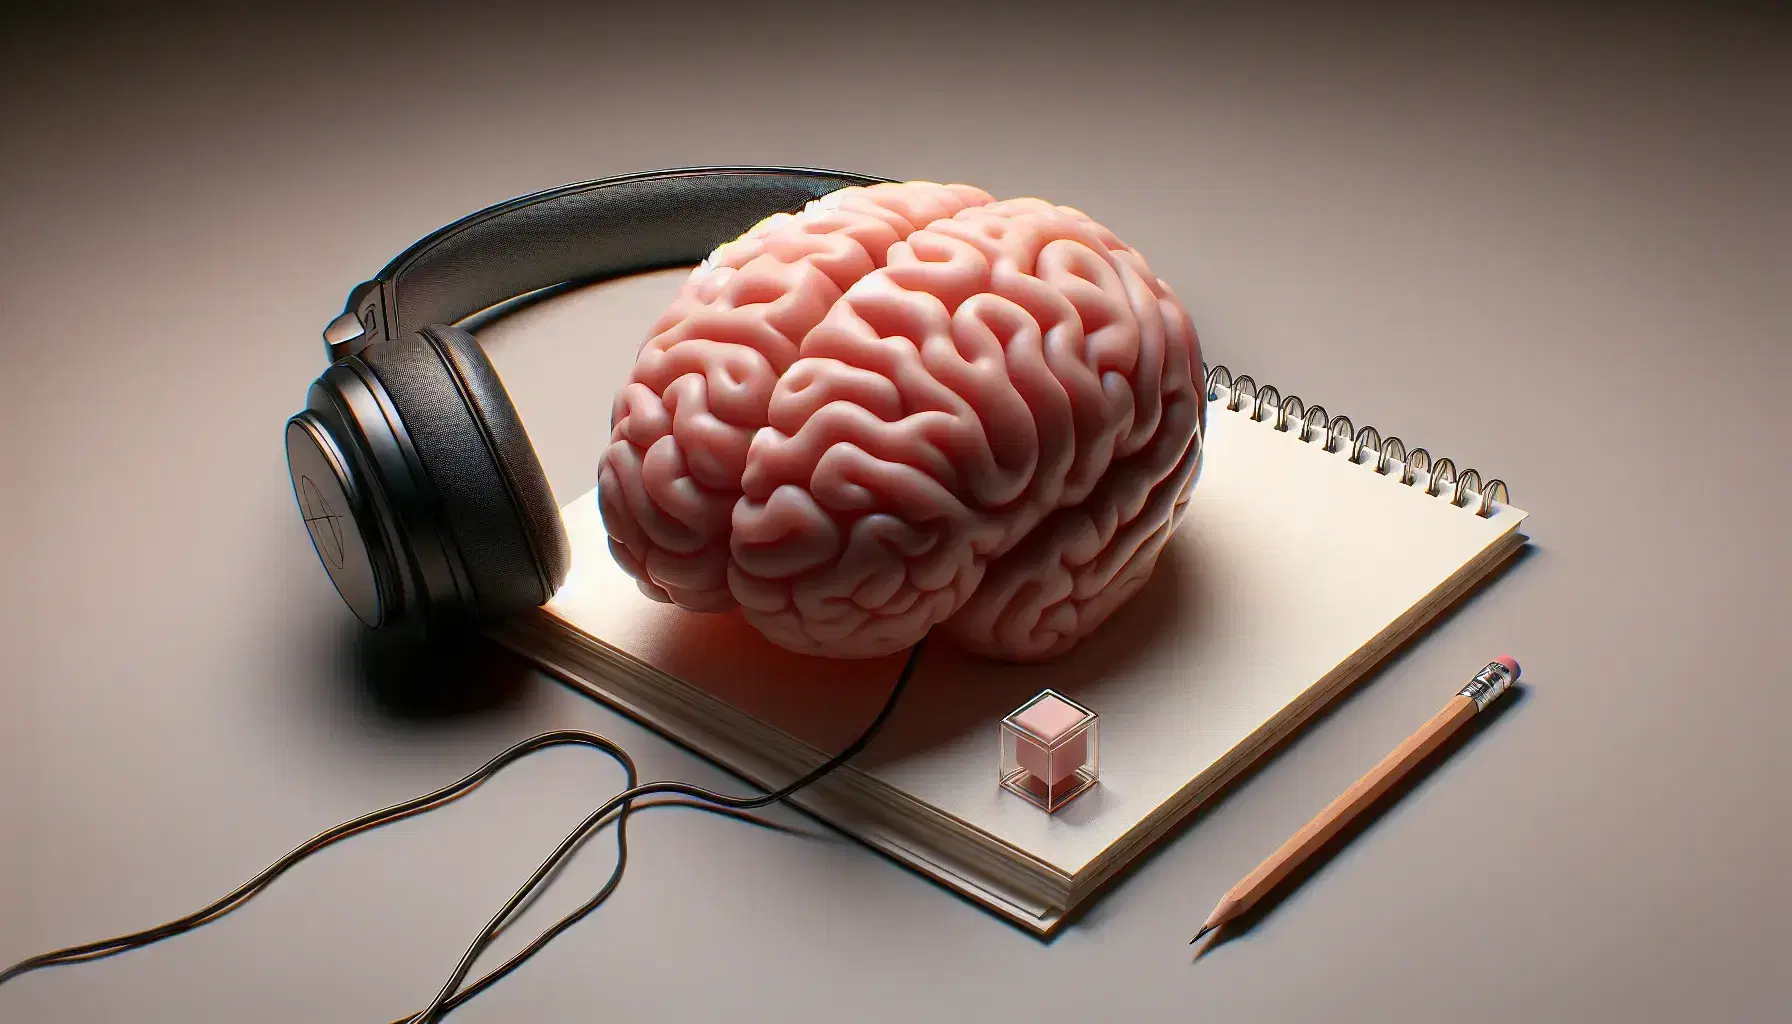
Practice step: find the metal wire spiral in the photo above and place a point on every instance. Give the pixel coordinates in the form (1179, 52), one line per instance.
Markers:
(1315, 424)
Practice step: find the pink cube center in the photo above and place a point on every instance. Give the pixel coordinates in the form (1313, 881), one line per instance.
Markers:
(1050, 719)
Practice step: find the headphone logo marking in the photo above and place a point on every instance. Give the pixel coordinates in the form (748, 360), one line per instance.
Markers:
(323, 522)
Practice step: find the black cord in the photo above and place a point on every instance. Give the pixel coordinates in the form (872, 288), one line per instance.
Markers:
(376, 819)
(439, 1005)
(616, 809)
(603, 893)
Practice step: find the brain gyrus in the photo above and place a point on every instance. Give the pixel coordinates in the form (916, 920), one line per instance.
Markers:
(909, 406)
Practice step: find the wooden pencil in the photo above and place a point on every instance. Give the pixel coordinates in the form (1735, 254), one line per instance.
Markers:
(1481, 691)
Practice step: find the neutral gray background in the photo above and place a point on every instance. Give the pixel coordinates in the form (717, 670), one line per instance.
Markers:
(1552, 247)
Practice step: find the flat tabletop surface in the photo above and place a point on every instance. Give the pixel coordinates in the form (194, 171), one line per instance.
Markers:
(1553, 249)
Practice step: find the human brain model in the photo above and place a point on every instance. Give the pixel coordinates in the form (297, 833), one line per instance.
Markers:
(909, 406)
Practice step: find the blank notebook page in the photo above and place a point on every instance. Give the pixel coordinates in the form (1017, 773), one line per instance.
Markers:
(1290, 562)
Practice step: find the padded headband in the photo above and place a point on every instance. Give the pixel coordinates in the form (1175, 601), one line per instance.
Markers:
(589, 231)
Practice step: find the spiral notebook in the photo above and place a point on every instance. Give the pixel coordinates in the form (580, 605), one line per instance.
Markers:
(1308, 554)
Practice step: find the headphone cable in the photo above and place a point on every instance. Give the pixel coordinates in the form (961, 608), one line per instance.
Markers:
(616, 809)
(439, 1006)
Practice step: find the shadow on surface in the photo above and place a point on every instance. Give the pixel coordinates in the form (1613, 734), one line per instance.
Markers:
(954, 693)
(959, 693)
(409, 682)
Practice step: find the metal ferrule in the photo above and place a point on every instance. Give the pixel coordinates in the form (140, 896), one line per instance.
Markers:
(1487, 685)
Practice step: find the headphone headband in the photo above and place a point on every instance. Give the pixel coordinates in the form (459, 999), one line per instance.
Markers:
(588, 231)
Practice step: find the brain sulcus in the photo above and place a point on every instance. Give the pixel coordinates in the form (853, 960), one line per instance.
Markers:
(907, 406)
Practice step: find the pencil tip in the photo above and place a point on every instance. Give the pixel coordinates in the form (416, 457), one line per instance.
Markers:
(1204, 930)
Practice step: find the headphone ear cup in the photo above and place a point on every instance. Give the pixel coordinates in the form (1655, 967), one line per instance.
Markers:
(495, 500)
(513, 452)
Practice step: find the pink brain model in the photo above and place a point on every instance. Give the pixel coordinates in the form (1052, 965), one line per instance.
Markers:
(909, 405)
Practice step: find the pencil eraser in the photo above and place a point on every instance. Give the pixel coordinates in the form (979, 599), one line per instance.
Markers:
(1511, 666)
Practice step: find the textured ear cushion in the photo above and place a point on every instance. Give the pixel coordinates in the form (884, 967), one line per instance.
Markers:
(496, 500)
(514, 453)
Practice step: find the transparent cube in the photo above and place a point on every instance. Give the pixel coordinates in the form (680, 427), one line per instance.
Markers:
(1049, 750)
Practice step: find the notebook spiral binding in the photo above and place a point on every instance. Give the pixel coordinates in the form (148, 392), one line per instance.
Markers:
(1265, 398)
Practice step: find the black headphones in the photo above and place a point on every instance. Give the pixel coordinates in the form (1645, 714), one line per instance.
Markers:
(424, 499)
